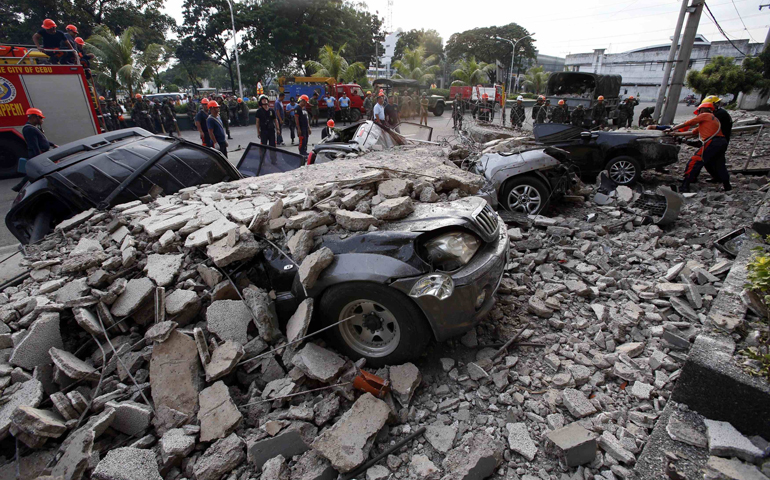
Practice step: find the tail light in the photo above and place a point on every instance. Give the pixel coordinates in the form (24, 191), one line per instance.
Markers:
(311, 158)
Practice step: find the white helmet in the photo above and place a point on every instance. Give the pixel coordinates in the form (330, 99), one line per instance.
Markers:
(519, 98)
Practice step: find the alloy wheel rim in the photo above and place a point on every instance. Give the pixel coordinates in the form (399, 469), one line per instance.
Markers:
(524, 198)
(622, 172)
(373, 331)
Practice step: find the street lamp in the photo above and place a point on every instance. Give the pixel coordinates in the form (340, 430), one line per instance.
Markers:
(235, 43)
(513, 56)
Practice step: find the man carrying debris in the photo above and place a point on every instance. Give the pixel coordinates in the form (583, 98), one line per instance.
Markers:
(725, 120)
(200, 121)
(645, 118)
(599, 113)
(560, 113)
(267, 122)
(712, 154)
(518, 114)
(578, 116)
(216, 129)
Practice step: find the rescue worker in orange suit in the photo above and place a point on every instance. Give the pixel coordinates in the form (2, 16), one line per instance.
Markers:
(712, 154)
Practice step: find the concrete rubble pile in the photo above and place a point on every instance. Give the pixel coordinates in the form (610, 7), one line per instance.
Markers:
(129, 353)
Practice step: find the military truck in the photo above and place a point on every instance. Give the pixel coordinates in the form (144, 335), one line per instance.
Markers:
(436, 103)
(581, 88)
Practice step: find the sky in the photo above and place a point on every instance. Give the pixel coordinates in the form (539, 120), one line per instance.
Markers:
(571, 26)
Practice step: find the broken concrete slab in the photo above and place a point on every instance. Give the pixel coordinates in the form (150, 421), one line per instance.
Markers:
(221, 458)
(731, 469)
(347, 443)
(176, 443)
(475, 458)
(275, 469)
(724, 440)
(259, 303)
(42, 335)
(313, 265)
(355, 221)
(222, 253)
(394, 188)
(88, 321)
(615, 449)
(573, 444)
(291, 441)
(182, 306)
(218, 415)
(127, 463)
(175, 374)
(314, 466)
(160, 331)
(300, 321)
(72, 366)
(138, 290)
(216, 230)
(420, 466)
(229, 320)
(223, 360)
(404, 381)
(37, 422)
(441, 437)
(162, 269)
(72, 290)
(210, 276)
(393, 208)
(519, 440)
(577, 403)
(318, 363)
(131, 418)
(300, 244)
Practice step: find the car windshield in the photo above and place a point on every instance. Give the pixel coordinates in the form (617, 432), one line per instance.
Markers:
(260, 160)
(357, 91)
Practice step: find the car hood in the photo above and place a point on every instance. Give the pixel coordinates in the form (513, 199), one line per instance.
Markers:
(491, 164)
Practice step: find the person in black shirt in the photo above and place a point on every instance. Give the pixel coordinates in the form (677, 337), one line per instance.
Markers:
(391, 115)
(328, 130)
(52, 41)
(302, 123)
(267, 122)
(37, 142)
(200, 122)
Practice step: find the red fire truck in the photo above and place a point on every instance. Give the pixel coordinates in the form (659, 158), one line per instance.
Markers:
(60, 91)
(296, 86)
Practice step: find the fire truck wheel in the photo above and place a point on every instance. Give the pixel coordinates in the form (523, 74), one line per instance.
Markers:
(355, 116)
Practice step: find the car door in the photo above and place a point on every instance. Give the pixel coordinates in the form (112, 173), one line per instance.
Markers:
(582, 145)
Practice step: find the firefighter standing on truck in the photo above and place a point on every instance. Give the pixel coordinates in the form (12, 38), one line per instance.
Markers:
(53, 41)
(712, 154)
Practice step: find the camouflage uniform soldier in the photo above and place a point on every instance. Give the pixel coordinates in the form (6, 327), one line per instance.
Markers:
(407, 105)
(108, 123)
(631, 102)
(540, 111)
(314, 110)
(168, 115)
(223, 115)
(232, 107)
(244, 111)
(560, 114)
(140, 113)
(116, 114)
(458, 110)
(157, 123)
(599, 113)
(368, 105)
(578, 116)
(518, 115)
(191, 111)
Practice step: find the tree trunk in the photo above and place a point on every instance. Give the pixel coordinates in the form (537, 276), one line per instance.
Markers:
(230, 71)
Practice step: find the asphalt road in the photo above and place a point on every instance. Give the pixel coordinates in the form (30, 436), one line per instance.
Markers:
(442, 128)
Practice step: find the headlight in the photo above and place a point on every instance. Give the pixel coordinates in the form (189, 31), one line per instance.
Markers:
(451, 250)
(439, 285)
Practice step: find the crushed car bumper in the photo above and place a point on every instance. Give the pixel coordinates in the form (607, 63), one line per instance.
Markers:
(488, 193)
(473, 296)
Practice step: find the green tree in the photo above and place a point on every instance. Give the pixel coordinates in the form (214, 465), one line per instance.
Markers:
(535, 80)
(333, 64)
(409, 40)
(722, 76)
(480, 43)
(119, 64)
(471, 72)
(413, 64)
(429, 40)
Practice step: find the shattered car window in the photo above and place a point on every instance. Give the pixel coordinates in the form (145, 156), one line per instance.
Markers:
(260, 160)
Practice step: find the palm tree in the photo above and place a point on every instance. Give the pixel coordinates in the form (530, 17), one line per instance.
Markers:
(471, 72)
(414, 65)
(118, 65)
(535, 79)
(333, 64)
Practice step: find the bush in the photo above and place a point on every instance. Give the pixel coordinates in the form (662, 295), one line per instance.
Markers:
(181, 109)
(444, 92)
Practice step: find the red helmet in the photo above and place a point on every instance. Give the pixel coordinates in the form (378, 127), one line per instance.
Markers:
(120, 117)
(240, 100)
(204, 101)
(138, 95)
(80, 41)
(485, 96)
(101, 97)
(330, 123)
(213, 104)
(304, 97)
(561, 102)
(600, 97)
(72, 27)
(48, 23)
(35, 111)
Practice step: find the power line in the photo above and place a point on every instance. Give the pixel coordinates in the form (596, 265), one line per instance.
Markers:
(722, 31)
(739, 16)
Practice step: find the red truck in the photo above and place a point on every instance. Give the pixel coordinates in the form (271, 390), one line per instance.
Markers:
(60, 91)
(296, 86)
(473, 94)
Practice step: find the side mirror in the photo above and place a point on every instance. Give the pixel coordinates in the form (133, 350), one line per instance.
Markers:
(585, 135)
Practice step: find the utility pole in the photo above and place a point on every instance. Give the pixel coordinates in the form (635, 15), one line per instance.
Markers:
(682, 61)
(235, 46)
(669, 62)
(767, 38)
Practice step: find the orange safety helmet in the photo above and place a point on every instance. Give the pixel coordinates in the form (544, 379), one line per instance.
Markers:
(600, 97)
(631, 97)
(101, 97)
(213, 104)
(72, 27)
(35, 111)
(330, 123)
(304, 97)
(703, 105)
(240, 100)
(561, 102)
(48, 23)
(80, 41)
(485, 96)
(204, 101)
(120, 117)
(138, 95)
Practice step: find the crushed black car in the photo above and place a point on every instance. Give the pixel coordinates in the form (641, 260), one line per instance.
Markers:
(106, 170)
(624, 154)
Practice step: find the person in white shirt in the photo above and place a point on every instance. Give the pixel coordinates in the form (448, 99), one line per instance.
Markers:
(379, 109)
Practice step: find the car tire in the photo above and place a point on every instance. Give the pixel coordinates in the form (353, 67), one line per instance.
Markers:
(401, 332)
(355, 115)
(438, 110)
(11, 150)
(525, 194)
(624, 170)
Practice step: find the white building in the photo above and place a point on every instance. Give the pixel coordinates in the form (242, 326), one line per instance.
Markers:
(387, 49)
(642, 69)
